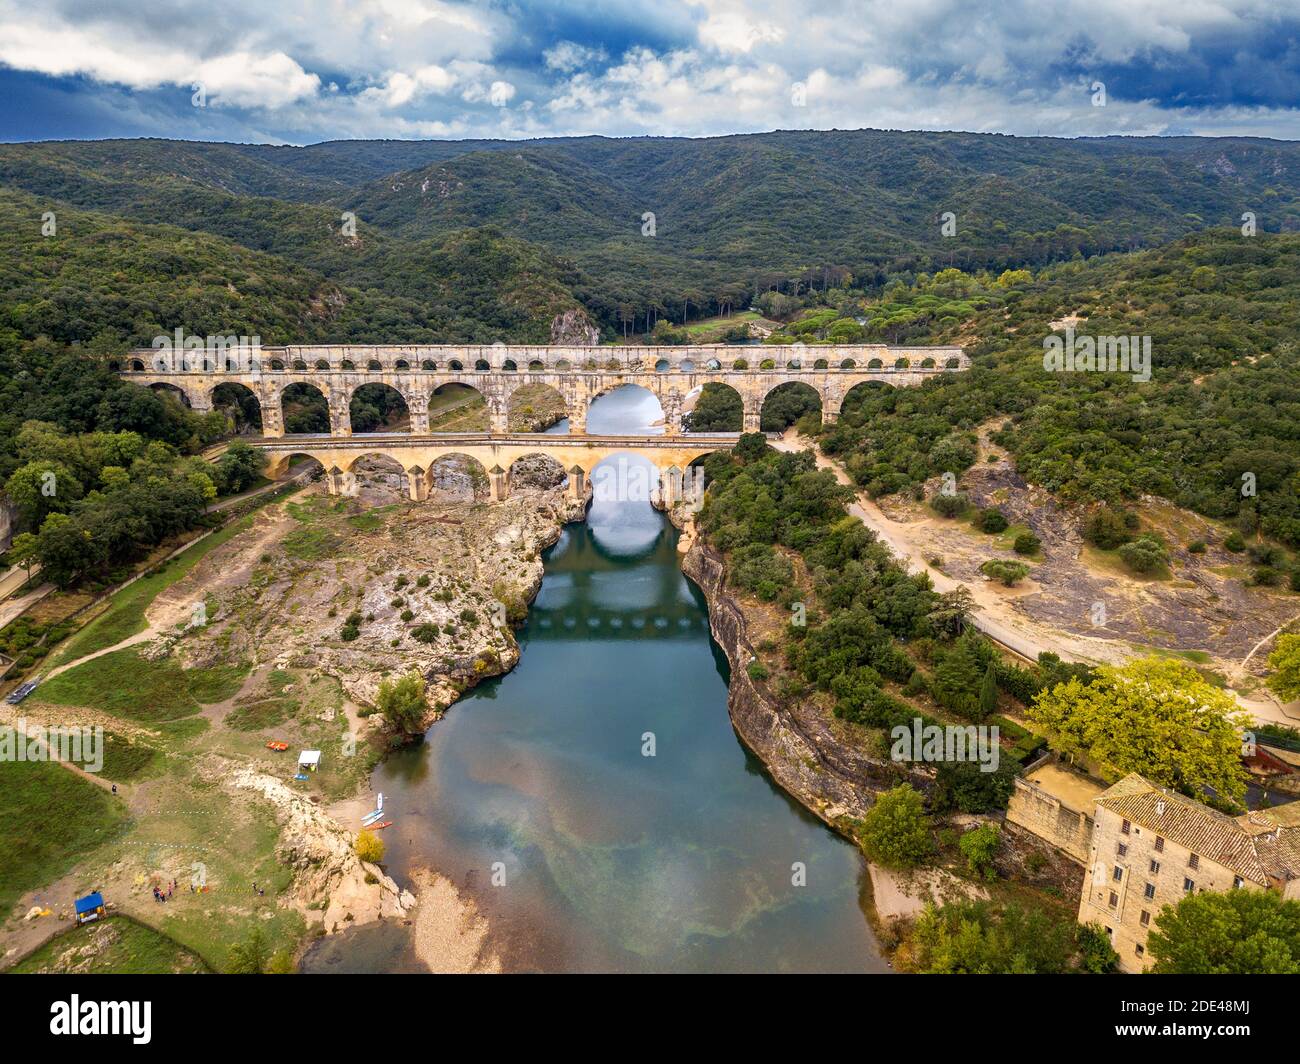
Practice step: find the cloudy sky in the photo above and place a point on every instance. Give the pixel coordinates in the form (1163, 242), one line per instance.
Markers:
(299, 71)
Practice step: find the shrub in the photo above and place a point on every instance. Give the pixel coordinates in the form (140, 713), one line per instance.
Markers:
(423, 581)
(349, 632)
(369, 847)
(979, 847)
(896, 831)
(426, 633)
(1234, 543)
(1196, 546)
(1096, 954)
(991, 520)
(408, 615)
(949, 505)
(1106, 529)
(1027, 543)
(1008, 572)
(1144, 554)
(757, 671)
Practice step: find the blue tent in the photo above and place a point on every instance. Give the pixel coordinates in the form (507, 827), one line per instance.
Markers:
(91, 907)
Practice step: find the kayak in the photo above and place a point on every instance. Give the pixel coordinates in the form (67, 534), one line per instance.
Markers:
(381, 824)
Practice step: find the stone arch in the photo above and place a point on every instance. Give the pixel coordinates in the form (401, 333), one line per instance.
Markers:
(686, 366)
(137, 365)
(860, 392)
(304, 409)
(401, 364)
(322, 363)
(902, 363)
(456, 366)
(848, 363)
(536, 365)
(787, 403)
(374, 365)
(277, 364)
(378, 407)
(282, 464)
(629, 414)
(718, 408)
(534, 407)
(299, 366)
(563, 366)
(927, 363)
(509, 366)
(455, 406)
(767, 363)
(740, 363)
(536, 470)
(952, 363)
(713, 365)
(663, 366)
(376, 474)
(482, 365)
(876, 363)
(456, 477)
(347, 364)
(821, 363)
(240, 405)
(171, 391)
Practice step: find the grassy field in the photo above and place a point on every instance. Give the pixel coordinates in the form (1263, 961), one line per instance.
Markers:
(125, 684)
(50, 819)
(116, 946)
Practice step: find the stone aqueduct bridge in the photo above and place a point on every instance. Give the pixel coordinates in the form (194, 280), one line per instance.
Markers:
(578, 374)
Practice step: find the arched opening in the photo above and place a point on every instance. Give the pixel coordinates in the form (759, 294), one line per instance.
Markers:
(374, 364)
(686, 366)
(794, 363)
(590, 364)
(740, 363)
(848, 363)
(789, 404)
(137, 365)
(902, 363)
(169, 392)
(322, 363)
(380, 479)
(458, 478)
(305, 410)
(378, 408)
(292, 465)
(563, 366)
(456, 365)
(622, 523)
(401, 364)
(767, 363)
(663, 366)
(536, 366)
(482, 365)
(866, 399)
(952, 363)
(536, 472)
(716, 408)
(277, 364)
(508, 366)
(428, 364)
(821, 363)
(613, 363)
(713, 365)
(299, 366)
(456, 407)
(535, 408)
(626, 410)
(240, 405)
(927, 363)
(348, 364)
(114, 366)
(876, 363)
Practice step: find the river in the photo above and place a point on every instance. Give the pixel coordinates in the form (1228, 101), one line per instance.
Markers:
(596, 802)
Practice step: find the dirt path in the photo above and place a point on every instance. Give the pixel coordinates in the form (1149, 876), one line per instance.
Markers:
(997, 617)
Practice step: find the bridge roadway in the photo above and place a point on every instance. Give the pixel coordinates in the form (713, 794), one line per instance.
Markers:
(578, 455)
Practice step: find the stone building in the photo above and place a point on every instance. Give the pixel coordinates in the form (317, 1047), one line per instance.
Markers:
(1151, 847)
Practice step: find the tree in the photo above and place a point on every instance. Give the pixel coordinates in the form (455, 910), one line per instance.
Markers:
(980, 846)
(369, 847)
(1238, 932)
(1096, 954)
(896, 832)
(980, 938)
(42, 487)
(248, 957)
(23, 552)
(1007, 572)
(1027, 543)
(1284, 661)
(1144, 554)
(989, 692)
(954, 609)
(402, 704)
(1154, 716)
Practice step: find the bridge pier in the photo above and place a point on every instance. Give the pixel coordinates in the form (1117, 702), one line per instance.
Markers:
(670, 487)
(340, 483)
(752, 418)
(417, 483)
(498, 486)
(577, 487)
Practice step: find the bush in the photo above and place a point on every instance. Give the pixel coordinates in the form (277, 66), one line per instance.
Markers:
(896, 831)
(1106, 529)
(1008, 572)
(949, 505)
(1234, 543)
(369, 847)
(402, 704)
(979, 847)
(757, 671)
(991, 520)
(1196, 546)
(1096, 954)
(1144, 554)
(1027, 543)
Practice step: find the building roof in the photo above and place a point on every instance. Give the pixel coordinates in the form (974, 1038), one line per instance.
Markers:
(89, 903)
(1259, 846)
(309, 757)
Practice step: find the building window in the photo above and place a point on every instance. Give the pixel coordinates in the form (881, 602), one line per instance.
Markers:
(1188, 885)
(1141, 949)
(1238, 882)
(1121, 850)
(1160, 844)
(1145, 919)
(1155, 868)
(1193, 861)
(1150, 891)
(1117, 874)
(1114, 899)
(1125, 826)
